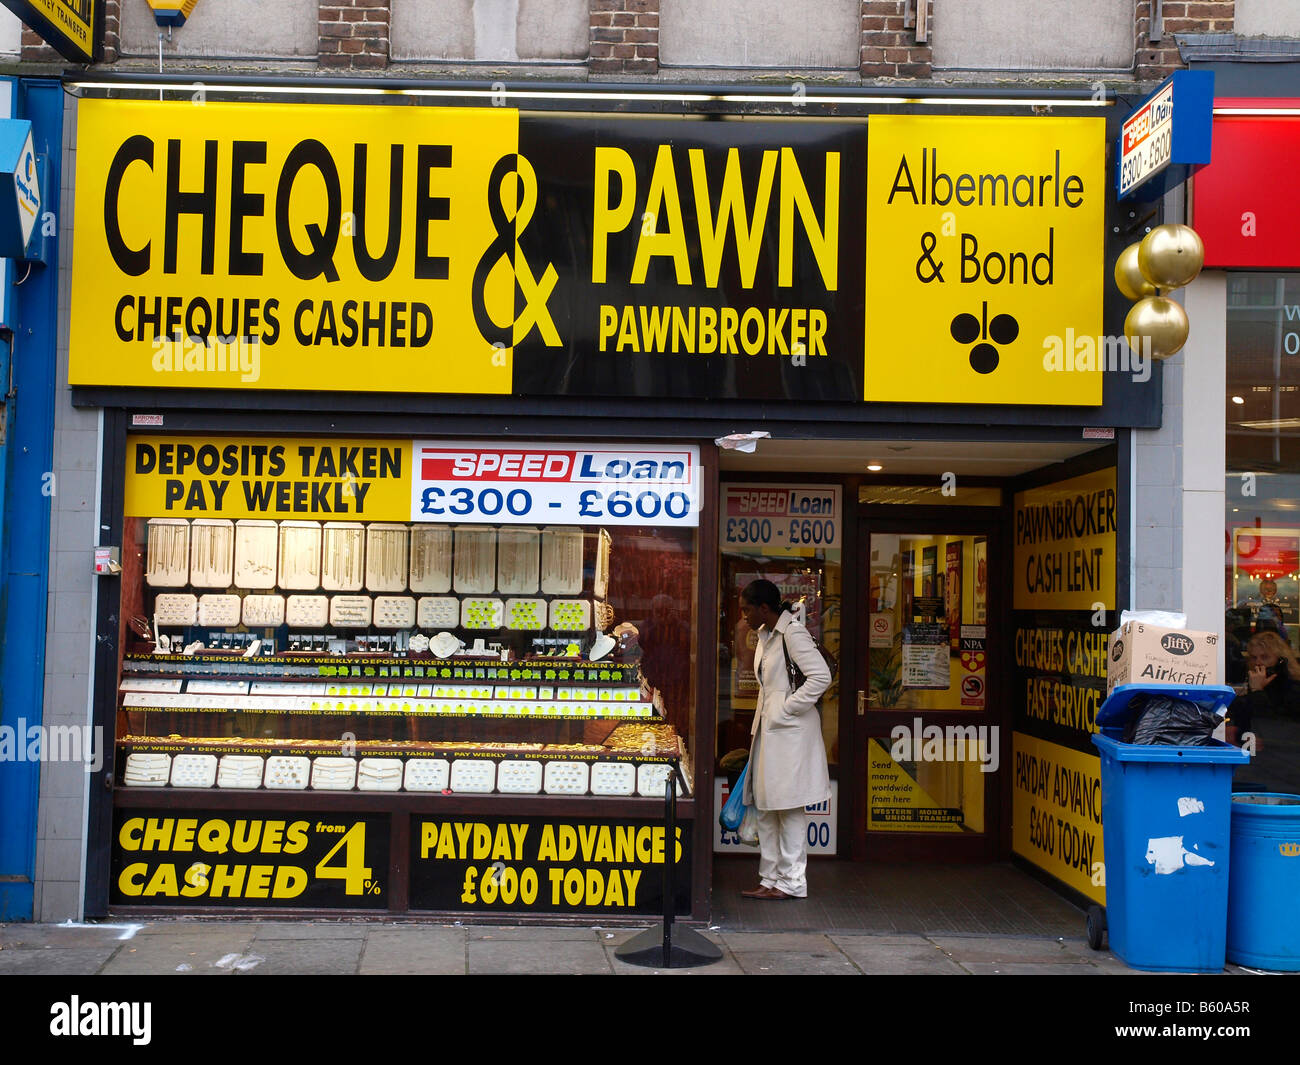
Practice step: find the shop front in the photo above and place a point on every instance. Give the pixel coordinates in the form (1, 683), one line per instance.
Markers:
(439, 441)
(1253, 246)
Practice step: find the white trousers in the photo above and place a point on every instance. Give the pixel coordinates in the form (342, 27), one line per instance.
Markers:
(783, 850)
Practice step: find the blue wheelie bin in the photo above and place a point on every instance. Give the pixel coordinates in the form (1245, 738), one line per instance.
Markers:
(1263, 891)
(1166, 817)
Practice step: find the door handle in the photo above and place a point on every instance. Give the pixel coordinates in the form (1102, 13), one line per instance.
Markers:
(862, 702)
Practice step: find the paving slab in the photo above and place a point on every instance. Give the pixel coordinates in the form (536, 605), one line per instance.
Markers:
(70, 961)
(553, 957)
(59, 937)
(830, 962)
(1005, 949)
(800, 942)
(412, 951)
(182, 954)
(304, 957)
(896, 955)
(326, 930)
(996, 968)
(195, 926)
(727, 965)
(512, 934)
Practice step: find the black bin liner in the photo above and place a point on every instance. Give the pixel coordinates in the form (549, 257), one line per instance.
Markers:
(1167, 722)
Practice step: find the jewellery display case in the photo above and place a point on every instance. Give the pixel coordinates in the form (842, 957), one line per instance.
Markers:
(316, 656)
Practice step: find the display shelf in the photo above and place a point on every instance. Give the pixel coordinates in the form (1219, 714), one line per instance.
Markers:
(138, 701)
(297, 666)
(334, 766)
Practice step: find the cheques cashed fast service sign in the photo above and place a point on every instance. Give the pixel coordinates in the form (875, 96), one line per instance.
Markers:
(984, 252)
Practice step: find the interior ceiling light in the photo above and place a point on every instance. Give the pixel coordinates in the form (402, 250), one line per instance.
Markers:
(1280, 423)
(1238, 399)
(874, 467)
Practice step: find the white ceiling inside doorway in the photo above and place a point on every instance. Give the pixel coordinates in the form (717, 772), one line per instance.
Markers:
(973, 458)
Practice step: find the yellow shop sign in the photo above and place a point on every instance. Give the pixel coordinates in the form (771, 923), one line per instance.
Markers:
(984, 245)
(273, 246)
(237, 477)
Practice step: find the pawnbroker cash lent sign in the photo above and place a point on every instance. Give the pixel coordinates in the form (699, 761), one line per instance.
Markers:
(384, 249)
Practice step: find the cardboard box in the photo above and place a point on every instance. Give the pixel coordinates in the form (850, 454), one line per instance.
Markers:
(1148, 654)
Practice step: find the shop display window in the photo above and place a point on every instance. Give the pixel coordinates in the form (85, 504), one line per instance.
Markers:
(1261, 540)
(790, 535)
(368, 655)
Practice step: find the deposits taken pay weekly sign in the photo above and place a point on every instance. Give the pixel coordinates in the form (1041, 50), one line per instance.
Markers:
(492, 251)
(404, 480)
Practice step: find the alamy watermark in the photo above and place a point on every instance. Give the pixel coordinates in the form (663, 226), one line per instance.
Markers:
(946, 743)
(53, 743)
(1086, 354)
(236, 356)
(115, 1019)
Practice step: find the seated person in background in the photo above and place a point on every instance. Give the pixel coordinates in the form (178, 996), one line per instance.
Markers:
(1272, 685)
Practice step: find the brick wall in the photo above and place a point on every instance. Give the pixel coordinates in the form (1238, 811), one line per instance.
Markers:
(1154, 62)
(889, 50)
(353, 34)
(624, 37)
(112, 30)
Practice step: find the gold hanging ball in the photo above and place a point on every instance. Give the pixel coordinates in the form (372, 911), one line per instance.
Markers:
(1171, 256)
(1158, 322)
(1128, 275)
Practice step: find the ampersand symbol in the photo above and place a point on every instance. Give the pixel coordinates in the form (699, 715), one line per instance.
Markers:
(510, 211)
(928, 241)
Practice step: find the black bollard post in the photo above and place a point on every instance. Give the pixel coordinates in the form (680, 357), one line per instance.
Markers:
(657, 950)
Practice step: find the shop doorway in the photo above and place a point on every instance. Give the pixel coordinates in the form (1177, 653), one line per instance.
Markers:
(930, 713)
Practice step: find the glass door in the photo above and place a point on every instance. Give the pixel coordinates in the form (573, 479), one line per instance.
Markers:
(929, 723)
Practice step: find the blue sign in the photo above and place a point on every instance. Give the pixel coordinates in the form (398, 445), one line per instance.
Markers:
(20, 188)
(1167, 137)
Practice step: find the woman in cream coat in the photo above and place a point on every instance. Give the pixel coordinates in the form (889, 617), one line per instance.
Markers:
(787, 758)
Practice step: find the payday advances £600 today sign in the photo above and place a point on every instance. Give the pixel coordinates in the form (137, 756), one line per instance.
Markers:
(303, 247)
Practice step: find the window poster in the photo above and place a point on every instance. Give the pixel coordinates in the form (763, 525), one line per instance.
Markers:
(952, 586)
(981, 594)
(926, 656)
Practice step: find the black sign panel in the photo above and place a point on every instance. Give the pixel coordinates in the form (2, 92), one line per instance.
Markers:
(250, 859)
(1060, 675)
(544, 865)
(73, 28)
(696, 258)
